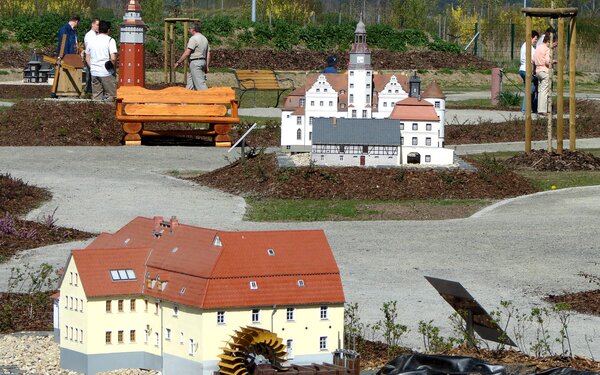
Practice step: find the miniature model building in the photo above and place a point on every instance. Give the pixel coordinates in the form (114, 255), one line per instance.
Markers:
(171, 297)
(369, 98)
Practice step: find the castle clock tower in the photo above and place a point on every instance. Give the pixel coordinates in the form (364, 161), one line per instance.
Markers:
(360, 75)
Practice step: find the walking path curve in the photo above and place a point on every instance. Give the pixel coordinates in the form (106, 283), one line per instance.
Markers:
(519, 250)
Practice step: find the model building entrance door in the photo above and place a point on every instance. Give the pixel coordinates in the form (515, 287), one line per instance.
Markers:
(362, 160)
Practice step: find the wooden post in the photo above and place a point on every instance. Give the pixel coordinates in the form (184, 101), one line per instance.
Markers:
(61, 53)
(559, 89)
(572, 57)
(528, 85)
(185, 40)
(172, 46)
(549, 97)
(167, 59)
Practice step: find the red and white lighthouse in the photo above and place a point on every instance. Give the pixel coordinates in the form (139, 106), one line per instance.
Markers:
(132, 70)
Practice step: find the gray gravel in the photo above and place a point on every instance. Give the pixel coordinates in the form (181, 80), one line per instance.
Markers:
(519, 250)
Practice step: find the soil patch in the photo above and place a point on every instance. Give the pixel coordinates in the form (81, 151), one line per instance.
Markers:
(18, 92)
(587, 302)
(542, 160)
(417, 210)
(260, 177)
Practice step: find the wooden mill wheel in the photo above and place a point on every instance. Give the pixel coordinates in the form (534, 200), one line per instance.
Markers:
(247, 348)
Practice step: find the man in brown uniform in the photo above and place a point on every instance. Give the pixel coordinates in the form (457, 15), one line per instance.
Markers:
(198, 53)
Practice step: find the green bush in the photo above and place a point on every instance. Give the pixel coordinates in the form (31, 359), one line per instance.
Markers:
(441, 45)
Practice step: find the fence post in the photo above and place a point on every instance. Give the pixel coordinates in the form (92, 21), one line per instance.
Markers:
(512, 41)
(475, 33)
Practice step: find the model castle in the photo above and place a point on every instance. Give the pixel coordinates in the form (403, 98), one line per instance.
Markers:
(363, 118)
(181, 299)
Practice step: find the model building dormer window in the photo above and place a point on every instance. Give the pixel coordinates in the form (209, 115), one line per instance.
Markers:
(301, 283)
(122, 275)
(253, 285)
(220, 317)
(271, 252)
(217, 241)
(324, 315)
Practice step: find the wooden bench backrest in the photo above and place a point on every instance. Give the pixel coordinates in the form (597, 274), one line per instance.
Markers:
(175, 95)
(177, 102)
(257, 79)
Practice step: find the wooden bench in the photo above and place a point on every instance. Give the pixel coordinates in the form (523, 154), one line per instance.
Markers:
(216, 106)
(255, 80)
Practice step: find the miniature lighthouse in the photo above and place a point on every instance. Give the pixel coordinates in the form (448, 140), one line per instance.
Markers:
(131, 54)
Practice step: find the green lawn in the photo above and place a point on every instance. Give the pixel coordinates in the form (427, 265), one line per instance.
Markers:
(351, 209)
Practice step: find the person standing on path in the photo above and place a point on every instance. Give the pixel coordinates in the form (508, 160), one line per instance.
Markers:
(523, 71)
(68, 29)
(541, 59)
(86, 41)
(198, 53)
(101, 56)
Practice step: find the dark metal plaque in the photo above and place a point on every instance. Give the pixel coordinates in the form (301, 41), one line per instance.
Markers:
(469, 309)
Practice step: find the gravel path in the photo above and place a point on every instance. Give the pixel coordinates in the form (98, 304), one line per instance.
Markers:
(37, 353)
(519, 250)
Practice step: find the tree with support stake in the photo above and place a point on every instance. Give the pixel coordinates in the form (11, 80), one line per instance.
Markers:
(560, 14)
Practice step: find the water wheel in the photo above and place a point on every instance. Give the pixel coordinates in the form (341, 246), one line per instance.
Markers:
(250, 347)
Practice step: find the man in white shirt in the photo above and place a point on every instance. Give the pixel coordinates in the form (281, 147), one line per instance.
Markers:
(88, 37)
(101, 55)
(523, 69)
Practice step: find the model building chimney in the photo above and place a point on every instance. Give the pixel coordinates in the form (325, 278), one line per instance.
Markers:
(174, 222)
(334, 120)
(157, 220)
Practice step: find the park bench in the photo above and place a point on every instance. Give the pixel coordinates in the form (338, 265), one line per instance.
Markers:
(216, 106)
(261, 80)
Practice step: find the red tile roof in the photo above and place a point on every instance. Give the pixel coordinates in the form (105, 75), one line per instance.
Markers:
(433, 91)
(414, 109)
(213, 276)
(94, 270)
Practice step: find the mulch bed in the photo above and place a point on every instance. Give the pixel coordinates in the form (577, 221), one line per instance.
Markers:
(586, 126)
(542, 160)
(17, 198)
(295, 59)
(587, 302)
(26, 312)
(261, 177)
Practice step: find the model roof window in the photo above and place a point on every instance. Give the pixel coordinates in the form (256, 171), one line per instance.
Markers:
(271, 252)
(122, 275)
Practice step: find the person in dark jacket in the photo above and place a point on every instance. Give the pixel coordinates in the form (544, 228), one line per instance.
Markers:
(331, 63)
(68, 29)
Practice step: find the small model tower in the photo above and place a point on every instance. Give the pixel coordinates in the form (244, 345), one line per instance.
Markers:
(415, 86)
(360, 75)
(131, 53)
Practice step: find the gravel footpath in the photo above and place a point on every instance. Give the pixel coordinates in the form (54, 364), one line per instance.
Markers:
(37, 353)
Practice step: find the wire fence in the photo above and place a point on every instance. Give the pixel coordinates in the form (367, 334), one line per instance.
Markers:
(501, 44)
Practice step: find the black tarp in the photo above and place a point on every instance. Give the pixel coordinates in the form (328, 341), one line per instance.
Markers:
(421, 364)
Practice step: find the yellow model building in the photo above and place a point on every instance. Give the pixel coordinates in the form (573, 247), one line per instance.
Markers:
(161, 295)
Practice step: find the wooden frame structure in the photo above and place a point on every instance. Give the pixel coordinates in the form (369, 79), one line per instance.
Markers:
(560, 14)
(170, 46)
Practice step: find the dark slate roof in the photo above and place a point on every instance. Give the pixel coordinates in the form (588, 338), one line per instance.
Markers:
(380, 132)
